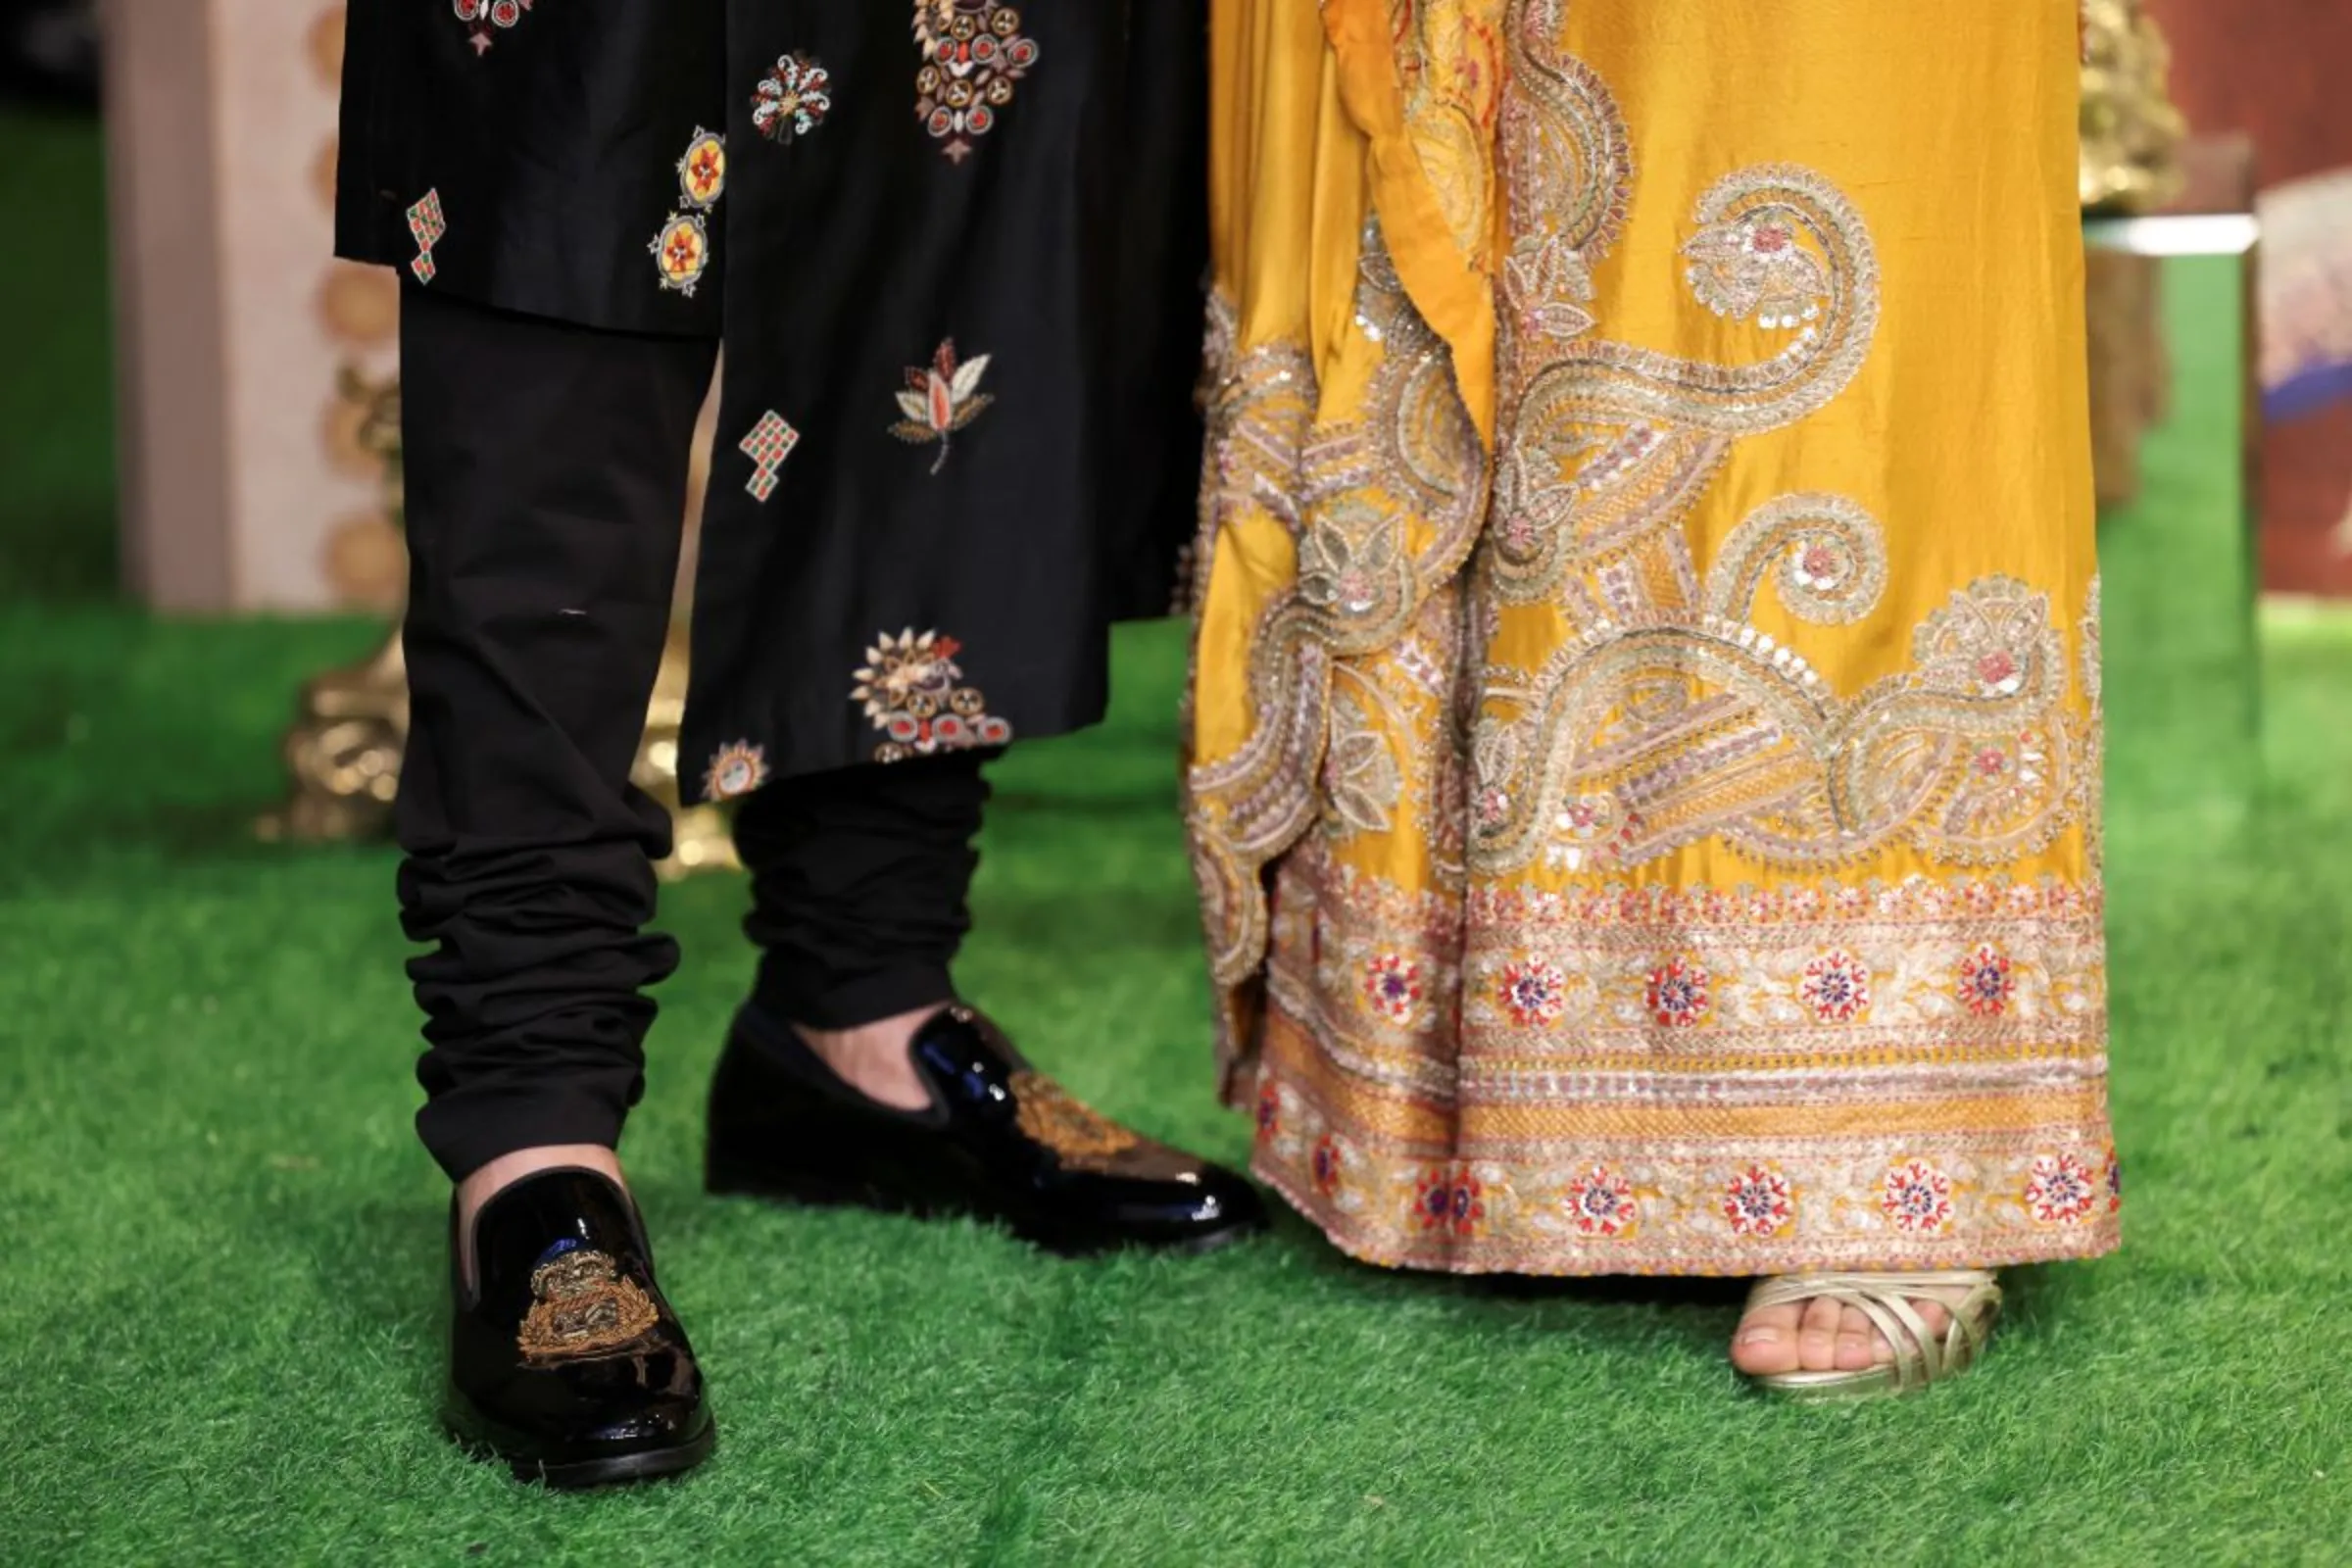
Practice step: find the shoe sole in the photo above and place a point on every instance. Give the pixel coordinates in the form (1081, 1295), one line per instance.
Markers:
(1061, 1243)
(613, 1470)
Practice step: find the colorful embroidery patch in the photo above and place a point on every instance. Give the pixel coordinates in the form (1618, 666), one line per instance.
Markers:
(973, 52)
(792, 99)
(939, 399)
(426, 226)
(737, 769)
(484, 15)
(682, 250)
(582, 1306)
(1836, 988)
(1532, 993)
(1986, 982)
(1758, 1202)
(1917, 1198)
(1678, 995)
(703, 171)
(767, 445)
(2059, 1191)
(1327, 1164)
(1601, 1202)
(1393, 987)
(913, 691)
(1452, 1200)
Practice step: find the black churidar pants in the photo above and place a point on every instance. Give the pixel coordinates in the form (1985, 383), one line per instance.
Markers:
(546, 473)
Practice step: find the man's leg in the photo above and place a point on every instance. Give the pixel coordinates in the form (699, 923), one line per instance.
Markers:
(859, 885)
(545, 479)
(855, 1076)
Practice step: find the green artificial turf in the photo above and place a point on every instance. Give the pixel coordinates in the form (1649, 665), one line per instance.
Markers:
(220, 1289)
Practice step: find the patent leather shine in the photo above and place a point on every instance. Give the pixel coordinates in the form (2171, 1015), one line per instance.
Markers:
(567, 1364)
(1001, 1141)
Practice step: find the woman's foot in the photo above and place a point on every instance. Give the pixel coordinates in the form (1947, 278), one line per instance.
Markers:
(1820, 1335)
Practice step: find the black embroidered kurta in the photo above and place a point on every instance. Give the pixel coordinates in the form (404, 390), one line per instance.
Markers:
(953, 250)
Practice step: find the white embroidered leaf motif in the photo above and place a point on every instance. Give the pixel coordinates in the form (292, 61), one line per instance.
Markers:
(967, 377)
(916, 408)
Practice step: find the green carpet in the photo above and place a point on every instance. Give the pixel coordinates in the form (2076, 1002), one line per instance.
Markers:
(220, 1293)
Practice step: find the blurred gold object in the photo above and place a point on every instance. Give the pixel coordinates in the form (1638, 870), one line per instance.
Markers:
(352, 724)
(2132, 134)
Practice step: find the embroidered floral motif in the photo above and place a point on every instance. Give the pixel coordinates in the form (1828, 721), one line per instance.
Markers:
(913, 691)
(1326, 1164)
(1449, 1199)
(1600, 1203)
(1049, 1114)
(736, 768)
(582, 1306)
(2059, 1191)
(1393, 987)
(973, 52)
(1986, 982)
(1269, 1110)
(1758, 1202)
(1917, 1198)
(703, 171)
(1836, 988)
(484, 15)
(426, 226)
(792, 99)
(1755, 266)
(941, 398)
(1677, 994)
(682, 250)
(2114, 1181)
(1534, 991)
(769, 443)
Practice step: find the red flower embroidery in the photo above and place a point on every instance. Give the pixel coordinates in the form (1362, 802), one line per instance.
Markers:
(1758, 1202)
(484, 15)
(1986, 982)
(1327, 1166)
(1677, 996)
(939, 399)
(973, 52)
(1534, 992)
(1600, 1203)
(1393, 987)
(792, 99)
(913, 691)
(1917, 1198)
(1449, 1199)
(2059, 1191)
(1836, 987)
(738, 768)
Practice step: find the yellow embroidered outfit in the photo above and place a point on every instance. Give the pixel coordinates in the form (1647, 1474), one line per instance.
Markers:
(1643, 747)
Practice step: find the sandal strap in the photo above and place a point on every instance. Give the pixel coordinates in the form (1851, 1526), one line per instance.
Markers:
(1970, 1297)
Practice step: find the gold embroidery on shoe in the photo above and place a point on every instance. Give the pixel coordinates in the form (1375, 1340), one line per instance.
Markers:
(1049, 1114)
(581, 1305)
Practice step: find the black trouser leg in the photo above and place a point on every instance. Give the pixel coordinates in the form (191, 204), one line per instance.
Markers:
(546, 473)
(859, 881)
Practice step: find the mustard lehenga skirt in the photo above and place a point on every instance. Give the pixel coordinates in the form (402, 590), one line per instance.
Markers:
(1644, 769)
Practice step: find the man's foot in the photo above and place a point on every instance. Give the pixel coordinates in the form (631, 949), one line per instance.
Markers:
(1819, 1335)
(994, 1136)
(566, 1362)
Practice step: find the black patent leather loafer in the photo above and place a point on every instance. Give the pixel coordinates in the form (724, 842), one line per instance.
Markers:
(567, 1365)
(1001, 1141)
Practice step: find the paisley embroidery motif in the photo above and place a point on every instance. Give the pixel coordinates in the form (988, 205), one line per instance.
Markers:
(582, 1306)
(792, 99)
(941, 399)
(484, 15)
(973, 52)
(913, 691)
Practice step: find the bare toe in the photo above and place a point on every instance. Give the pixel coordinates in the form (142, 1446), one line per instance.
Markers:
(1859, 1346)
(1765, 1342)
(1817, 1339)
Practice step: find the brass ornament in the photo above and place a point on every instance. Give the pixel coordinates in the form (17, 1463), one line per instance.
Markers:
(2132, 134)
(1049, 1114)
(581, 1305)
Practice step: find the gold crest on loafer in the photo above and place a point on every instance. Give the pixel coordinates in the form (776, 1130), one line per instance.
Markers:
(581, 1305)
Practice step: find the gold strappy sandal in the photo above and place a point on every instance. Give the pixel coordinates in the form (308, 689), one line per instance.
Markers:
(1971, 1296)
